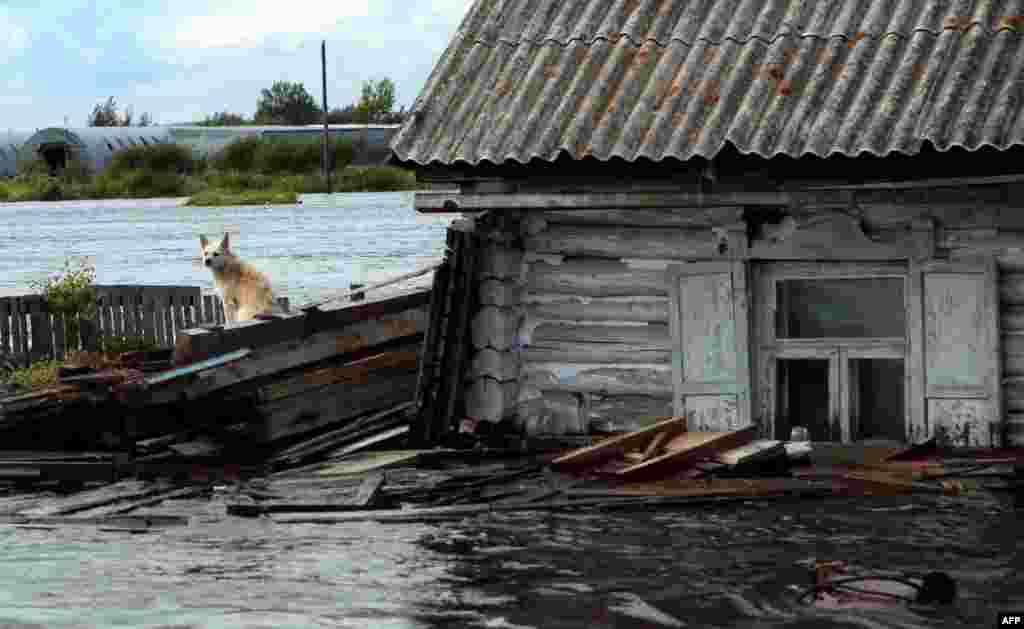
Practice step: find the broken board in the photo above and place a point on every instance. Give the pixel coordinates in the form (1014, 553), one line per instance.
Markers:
(687, 448)
(617, 447)
(368, 461)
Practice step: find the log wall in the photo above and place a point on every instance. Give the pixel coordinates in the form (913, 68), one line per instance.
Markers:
(573, 332)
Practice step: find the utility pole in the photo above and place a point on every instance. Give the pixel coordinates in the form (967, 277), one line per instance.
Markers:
(323, 71)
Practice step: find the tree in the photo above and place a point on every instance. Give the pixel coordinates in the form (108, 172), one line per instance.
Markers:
(106, 115)
(286, 103)
(376, 101)
(223, 119)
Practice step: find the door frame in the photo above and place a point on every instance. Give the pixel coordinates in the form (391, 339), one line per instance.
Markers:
(767, 349)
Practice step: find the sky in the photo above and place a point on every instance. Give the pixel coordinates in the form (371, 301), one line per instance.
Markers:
(183, 60)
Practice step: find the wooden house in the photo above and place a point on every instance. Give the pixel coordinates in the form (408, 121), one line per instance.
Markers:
(792, 214)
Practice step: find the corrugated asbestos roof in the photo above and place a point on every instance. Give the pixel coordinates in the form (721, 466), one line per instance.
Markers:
(525, 79)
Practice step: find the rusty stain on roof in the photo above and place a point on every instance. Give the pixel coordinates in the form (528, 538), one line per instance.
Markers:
(526, 79)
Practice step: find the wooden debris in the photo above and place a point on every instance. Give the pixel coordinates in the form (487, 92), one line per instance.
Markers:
(198, 447)
(333, 440)
(687, 448)
(616, 447)
(368, 490)
(124, 490)
(367, 462)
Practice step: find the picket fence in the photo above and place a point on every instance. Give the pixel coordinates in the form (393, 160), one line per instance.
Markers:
(29, 332)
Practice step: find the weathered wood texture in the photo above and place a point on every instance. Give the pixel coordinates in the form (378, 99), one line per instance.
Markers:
(632, 242)
(1011, 323)
(28, 331)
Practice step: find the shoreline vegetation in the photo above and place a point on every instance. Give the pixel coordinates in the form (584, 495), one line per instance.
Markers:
(249, 171)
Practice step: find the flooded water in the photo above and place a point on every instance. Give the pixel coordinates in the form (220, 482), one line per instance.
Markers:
(726, 566)
(722, 566)
(309, 251)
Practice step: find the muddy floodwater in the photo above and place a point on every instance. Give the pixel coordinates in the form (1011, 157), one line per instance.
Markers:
(309, 251)
(726, 566)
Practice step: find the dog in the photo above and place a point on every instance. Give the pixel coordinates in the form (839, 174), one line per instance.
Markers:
(246, 292)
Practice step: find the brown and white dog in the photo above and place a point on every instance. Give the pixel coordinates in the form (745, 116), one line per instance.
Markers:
(245, 291)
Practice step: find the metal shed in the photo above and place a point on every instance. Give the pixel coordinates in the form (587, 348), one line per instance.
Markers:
(10, 144)
(93, 145)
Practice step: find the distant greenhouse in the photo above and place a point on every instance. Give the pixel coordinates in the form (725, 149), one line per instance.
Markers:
(372, 141)
(10, 144)
(94, 146)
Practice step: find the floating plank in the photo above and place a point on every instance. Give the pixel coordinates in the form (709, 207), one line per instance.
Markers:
(368, 490)
(124, 490)
(748, 452)
(369, 461)
(617, 446)
(202, 365)
(689, 447)
(381, 437)
(59, 470)
(752, 487)
(133, 522)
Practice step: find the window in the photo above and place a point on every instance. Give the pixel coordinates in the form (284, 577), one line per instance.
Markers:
(870, 307)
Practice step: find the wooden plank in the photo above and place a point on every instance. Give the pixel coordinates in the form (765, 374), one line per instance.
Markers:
(549, 352)
(354, 430)
(458, 334)
(570, 307)
(627, 242)
(368, 490)
(168, 307)
(334, 403)
(191, 308)
(650, 336)
(42, 331)
(179, 305)
(404, 310)
(5, 326)
(368, 461)
(606, 379)
(595, 278)
(683, 217)
(290, 354)
(150, 324)
(616, 446)
(354, 372)
(220, 317)
(687, 448)
(18, 336)
(207, 316)
(123, 490)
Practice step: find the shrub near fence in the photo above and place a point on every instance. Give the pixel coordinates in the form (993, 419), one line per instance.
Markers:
(29, 332)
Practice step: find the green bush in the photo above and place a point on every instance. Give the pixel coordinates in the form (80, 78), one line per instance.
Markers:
(221, 198)
(377, 179)
(148, 183)
(239, 155)
(120, 345)
(72, 295)
(161, 158)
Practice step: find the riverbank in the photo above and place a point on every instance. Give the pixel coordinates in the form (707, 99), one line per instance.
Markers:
(210, 188)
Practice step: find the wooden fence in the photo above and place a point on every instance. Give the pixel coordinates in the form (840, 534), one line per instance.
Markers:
(29, 332)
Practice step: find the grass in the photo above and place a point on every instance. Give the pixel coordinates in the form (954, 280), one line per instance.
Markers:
(249, 171)
(220, 198)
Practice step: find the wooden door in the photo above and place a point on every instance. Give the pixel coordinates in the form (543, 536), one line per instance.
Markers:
(710, 353)
(955, 360)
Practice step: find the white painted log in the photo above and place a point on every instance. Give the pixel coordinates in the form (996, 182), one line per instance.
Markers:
(595, 278)
(624, 413)
(564, 307)
(626, 242)
(500, 262)
(612, 353)
(674, 217)
(490, 363)
(620, 379)
(500, 293)
(490, 400)
(648, 336)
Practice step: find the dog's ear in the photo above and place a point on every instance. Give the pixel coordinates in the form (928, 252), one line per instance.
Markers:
(203, 241)
(225, 244)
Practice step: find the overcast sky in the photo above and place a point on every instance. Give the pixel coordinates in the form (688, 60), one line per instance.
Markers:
(184, 59)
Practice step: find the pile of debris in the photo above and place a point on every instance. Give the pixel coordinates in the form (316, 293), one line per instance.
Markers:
(348, 474)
